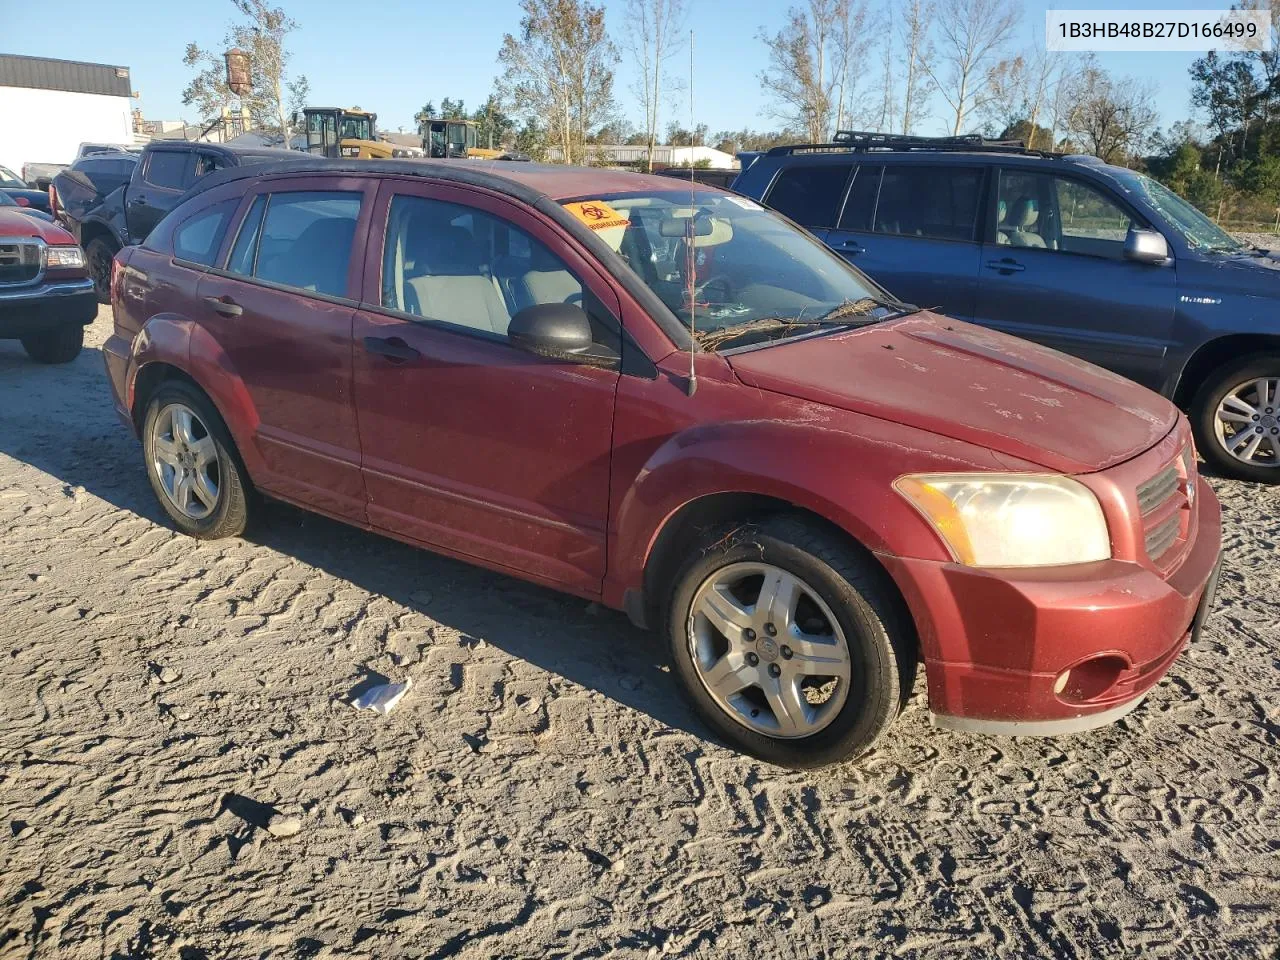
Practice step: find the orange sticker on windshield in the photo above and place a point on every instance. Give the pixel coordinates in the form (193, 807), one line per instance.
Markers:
(597, 214)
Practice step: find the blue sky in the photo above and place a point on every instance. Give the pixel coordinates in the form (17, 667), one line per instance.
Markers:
(404, 52)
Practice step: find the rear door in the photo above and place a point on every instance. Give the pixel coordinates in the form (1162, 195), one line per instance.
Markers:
(469, 443)
(810, 194)
(164, 177)
(280, 307)
(1053, 271)
(914, 228)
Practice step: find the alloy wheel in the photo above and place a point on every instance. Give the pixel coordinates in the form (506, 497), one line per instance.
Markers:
(185, 460)
(768, 650)
(1247, 422)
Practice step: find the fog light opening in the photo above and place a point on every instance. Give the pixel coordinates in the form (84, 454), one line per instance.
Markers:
(1090, 679)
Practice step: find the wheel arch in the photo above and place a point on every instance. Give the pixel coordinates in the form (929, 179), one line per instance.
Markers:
(1212, 354)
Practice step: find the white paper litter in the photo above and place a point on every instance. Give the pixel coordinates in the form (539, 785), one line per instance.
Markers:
(382, 698)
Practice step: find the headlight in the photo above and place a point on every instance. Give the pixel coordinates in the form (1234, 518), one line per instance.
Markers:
(1011, 520)
(58, 257)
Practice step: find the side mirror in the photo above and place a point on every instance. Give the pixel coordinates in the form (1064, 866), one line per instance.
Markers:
(1145, 246)
(560, 331)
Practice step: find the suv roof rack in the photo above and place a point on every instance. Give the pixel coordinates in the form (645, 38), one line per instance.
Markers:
(862, 141)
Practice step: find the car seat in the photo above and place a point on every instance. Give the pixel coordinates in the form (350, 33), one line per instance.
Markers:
(538, 278)
(317, 260)
(1024, 214)
(448, 280)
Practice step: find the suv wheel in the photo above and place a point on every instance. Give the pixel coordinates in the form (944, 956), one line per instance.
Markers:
(99, 255)
(1236, 415)
(791, 645)
(56, 346)
(193, 465)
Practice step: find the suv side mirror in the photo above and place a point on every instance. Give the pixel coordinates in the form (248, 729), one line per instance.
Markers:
(1145, 246)
(560, 331)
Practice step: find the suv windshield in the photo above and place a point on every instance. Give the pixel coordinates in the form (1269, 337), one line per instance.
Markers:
(1198, 230)
(727, 263)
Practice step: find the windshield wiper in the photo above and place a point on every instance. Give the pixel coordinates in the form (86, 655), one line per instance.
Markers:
(714, 338)
(867, 305)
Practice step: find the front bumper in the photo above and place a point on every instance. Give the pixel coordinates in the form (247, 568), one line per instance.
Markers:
(997, 642)
(28, 311)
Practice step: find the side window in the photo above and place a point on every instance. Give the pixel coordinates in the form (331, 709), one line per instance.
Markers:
(1090, 223)
(167, 169)
(304, 240)
(940, 203)
(197, 239)
(245, 252)
(466, 267)
(810, 193)
(206, 163)
(861, 205)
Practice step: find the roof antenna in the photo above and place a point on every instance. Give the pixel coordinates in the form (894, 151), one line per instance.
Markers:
(691, 234)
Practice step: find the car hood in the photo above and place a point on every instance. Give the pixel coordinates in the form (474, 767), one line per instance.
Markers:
(15, 223)
(972, 384)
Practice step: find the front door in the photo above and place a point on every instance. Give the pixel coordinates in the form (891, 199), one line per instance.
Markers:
(281, 308)
(913, 228)
(1054, 272)
(472, 445)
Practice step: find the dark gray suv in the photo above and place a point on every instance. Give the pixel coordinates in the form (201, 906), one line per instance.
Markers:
(1092, 259)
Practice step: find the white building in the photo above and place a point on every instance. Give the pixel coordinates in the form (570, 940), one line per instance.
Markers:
(49, 107)
(663, 155)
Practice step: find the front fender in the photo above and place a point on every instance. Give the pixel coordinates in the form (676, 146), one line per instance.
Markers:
(840, 468)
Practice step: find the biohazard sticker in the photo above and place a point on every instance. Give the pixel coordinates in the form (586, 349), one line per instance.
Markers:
(597, 214)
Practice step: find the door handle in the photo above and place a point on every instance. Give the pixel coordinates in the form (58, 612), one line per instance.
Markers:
(137, 201)
(1007, 265)
(225, 306)
(392, 348)
(851, 247)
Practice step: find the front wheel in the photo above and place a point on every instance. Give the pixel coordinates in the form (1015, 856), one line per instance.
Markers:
(792, 644)
(61, 345)
(1236, 417)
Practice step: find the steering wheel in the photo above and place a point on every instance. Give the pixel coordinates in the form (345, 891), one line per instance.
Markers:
(726, 290)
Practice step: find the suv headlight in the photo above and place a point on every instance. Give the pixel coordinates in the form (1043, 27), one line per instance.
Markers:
(63, 257)
(1011, 520)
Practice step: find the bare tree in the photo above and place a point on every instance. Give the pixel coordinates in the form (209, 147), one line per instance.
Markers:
(559, 71)
(653, 34)
(812, 61)
(888, 86)
(262, 35)
(1111, 117)
(917, 83)
(971, 35)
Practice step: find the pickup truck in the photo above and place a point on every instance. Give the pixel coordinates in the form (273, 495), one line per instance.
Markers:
(105, 217)
(45, 297)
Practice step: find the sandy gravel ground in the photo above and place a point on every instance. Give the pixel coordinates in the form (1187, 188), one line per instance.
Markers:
(542, 791)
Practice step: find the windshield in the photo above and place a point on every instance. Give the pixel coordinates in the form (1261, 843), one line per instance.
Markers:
(10, 179)
(356, 127)
(723, 261)
(1198, 230)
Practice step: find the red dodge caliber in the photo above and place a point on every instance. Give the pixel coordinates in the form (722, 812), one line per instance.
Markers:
(675, 402)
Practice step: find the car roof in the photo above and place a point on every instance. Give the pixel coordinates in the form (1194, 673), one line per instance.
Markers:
(967, 157)
(522, 180)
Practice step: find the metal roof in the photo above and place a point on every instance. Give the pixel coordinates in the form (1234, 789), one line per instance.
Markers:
(41, 73)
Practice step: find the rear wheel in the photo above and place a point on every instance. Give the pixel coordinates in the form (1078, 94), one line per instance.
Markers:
(61, 345)
(1236, 415)
(98, 256)
(792, 645)
(192, 464)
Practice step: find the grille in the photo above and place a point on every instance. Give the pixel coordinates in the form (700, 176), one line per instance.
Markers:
(19, 261)
(1162, 502)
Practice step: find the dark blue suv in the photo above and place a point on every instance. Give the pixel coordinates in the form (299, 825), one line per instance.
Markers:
(1091, 259)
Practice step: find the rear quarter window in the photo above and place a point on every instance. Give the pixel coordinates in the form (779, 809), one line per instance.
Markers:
(197, 239)
(810, 194)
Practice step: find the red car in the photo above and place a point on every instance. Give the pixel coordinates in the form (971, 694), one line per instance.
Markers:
(816, 490)
(46, 297)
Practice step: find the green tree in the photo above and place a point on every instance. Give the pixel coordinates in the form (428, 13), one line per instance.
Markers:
(261, 33)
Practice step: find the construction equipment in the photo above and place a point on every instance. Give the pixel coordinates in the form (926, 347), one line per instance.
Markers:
(446, 137)
(337, 132)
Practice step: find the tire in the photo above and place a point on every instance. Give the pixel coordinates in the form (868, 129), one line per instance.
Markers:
(857, 595)
(61, 345)
(1212, 440)
(98, 256)
(217, 506)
